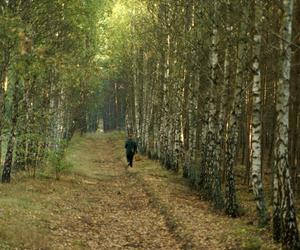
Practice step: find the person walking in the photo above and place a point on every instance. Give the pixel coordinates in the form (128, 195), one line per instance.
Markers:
(131, 149)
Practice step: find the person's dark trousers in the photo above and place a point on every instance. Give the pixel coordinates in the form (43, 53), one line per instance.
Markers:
(129, 159)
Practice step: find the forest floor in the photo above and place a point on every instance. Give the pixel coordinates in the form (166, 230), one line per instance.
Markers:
(99, 204)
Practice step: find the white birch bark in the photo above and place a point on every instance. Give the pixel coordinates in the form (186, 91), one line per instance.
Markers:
(136, 96)
(256, 119)
(205, 172)
(166, 126)
(144, 103)
(156, 113)
(177, 125)
(234, 116)
(187, 109)
(213, 138)
(290, 236)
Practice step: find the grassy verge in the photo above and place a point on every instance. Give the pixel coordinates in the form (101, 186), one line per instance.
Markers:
(31, 210)
(24, 213)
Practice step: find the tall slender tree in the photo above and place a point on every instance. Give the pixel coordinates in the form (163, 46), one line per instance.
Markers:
(256, 159)
(282, 181)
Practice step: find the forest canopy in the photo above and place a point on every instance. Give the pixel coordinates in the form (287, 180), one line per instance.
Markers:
(50, 77)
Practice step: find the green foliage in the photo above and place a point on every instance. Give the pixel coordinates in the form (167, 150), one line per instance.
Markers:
(4, 246)
(57, 161)
(253, 243)
(250, 241)
(52, 49)
(119, 32)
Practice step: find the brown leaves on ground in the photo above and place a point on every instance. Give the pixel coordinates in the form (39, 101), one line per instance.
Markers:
(101, 205)
(98, 206)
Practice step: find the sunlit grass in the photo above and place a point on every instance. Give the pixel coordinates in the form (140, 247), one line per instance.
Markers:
(84, 154)
(21, 207)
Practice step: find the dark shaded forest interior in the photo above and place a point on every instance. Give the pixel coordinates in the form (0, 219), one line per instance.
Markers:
(210, 90)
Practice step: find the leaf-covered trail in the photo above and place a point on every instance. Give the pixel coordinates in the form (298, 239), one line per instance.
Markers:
(101, 205)
(146, 207)
(109, 208)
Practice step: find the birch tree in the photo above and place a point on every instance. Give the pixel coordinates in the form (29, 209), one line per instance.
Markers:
(235, 110)
(174, 70)
(256, 118)
(284, 208)
(6, 175)
(39, 52)
(213, 139)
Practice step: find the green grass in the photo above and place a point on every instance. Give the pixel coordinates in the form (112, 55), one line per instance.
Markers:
(248, 237)
(21, 206)
(84, 154)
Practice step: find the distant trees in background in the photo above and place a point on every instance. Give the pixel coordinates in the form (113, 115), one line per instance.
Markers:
(49, 78)
(212, 92)
(114, 106)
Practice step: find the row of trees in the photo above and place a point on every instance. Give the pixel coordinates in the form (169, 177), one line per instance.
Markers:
(212, 85)
(48, 77)
(113, 107)
(115, 62)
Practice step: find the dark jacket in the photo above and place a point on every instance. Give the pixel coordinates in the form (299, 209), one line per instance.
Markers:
(131, 146)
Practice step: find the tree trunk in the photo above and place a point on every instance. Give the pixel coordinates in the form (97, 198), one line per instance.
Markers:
(290, 236)
(12, 137)
(3, 75)
(231, 147)
(213, 136)
(256, 120)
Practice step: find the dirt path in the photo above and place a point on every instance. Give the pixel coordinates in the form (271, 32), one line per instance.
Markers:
(109, 210)
(101, 205)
